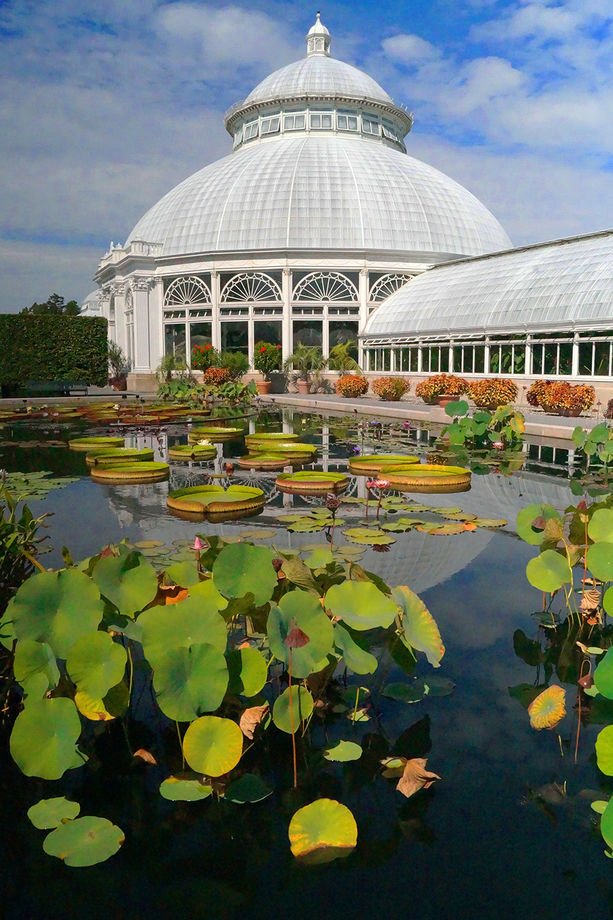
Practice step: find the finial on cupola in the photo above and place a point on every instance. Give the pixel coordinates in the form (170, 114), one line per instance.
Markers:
(318, 38)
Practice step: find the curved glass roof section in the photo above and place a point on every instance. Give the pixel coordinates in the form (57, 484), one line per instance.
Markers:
(562, 284)
(321, 192)
(318, 75)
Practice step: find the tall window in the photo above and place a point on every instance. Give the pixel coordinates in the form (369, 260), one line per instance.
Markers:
(307, 332)
(174, 340)
(235, 336)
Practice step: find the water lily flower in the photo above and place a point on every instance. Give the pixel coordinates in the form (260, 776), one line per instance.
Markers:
(204, 443)
(117, 407)
(498, 445)
(198, 544)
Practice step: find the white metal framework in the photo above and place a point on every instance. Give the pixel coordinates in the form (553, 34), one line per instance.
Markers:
(325, 287)
(387, 285)
(251, 287)
(187, 290)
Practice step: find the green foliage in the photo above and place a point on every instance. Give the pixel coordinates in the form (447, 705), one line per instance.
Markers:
(53, 348)
(595, 444)
(341, 357)
(84, 841)
(119, 365)
(52, 812)
(306, 360)
(19, 542)
(53, 306)
(482, 429)
(266, 358)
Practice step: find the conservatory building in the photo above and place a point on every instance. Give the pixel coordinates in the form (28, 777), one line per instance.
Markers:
(316, 217)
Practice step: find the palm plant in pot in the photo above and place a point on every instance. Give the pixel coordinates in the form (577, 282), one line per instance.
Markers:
(266, 360)
(119, 367)
(305, 361)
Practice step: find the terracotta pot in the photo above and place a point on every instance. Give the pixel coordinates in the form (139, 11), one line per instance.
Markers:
(262, 386)
(303, 386)
(119, 383)
(444, 399)
(571, 413)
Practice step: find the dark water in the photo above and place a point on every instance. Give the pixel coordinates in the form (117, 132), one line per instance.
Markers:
(481, 843)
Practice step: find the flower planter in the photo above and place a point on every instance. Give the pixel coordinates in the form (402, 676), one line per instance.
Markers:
(303, 387)
(444, 399)
(262, 386)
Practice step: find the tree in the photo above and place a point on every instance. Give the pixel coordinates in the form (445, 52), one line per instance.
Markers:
(54, 305)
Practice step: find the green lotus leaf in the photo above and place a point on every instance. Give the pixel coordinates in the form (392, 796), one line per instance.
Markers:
(35, 667)
(456, 407)
(603, 675)
(184, 573)
(319, 558)
(128, 581)
(184, 789)
(361, 605)
(248, 671)
(44, 737)
(294, 706)
(370, 537)
(525, 519)
(604, 750)
(7, 629)
(599, 806)
(600, 527)
(343, 752)
(240, 569)
(418, 626)
(435, 685)
(212, 745)
(52, 812)
(412, 692)
(322, 831)
(356, 658)
(95, 663)
(607, 601)
(189, 681)
(57, 608)
(249, 788)
(606, 824)
(84, 842)
(208, 594)
(190, 622)
(549, 571)
(600, 560)
(301, 609)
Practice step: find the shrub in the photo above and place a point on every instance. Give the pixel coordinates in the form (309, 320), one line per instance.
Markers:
(340, 357)
(536, 391)
(235, 363)
(562, 397)
(390, 388)
(205, 356)
(267, 358)
(53, 347)
(438, 384)
(215, 376)
(609, 410)
(493, 392)
(351, 385)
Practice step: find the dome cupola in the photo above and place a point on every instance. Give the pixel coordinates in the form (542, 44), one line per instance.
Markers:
(318, 38)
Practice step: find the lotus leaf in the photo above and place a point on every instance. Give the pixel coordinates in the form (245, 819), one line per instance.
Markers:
(361, 605)
(606, 825)
(249, 788)
(356, 658)
(320, 557)
(44, 737)
(374, 537)
(35, 667)
(419, 629)
(95, 664)
(240, 569)
(603, 675)
(207, 593)
(600, 527)
(301, 609)
(191, 622)
(322, 831)
(412, 692)
(343, 752)
(599, 806)
(527, 516)
(248, 671)
(438, 686)
(128, 581)
(549, 571)
(607, 601)
(52, 812)
(189, 681)
(56, 607)
(604, 750)
(288, 716)
(184, 789)
(92, 707)
(184, 573)
(547, 709)
(84, 841)
(600, 560)
(212, 745)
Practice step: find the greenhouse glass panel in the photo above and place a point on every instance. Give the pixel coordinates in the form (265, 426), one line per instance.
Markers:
(341, 331)
(267, 332)
(235, 337)
(174, 340)
(307, 332)
(199, 334)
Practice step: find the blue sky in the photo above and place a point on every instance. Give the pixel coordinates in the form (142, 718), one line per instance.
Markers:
(107, 104)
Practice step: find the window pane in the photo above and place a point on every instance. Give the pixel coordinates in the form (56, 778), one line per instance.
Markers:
(267, 332)
(537, 359)
(387, 359)
(566, 358)
(457, 359)
(494, 359)
(601, 362)
(200, 334)
(174, 340)
(469, 357)
(414, 359)
(307, 332)
(234, 337)
(479, 367)
(341, 331)
(444, 359)
(551, 356)
(585, 358)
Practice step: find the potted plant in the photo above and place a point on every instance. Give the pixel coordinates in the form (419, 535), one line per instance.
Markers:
(492, 393)
(266, 360)
(305, 361)
(563, 398)
(340, 357)
(351, 386)
(390, 388)
(441, 389)
(119, 367)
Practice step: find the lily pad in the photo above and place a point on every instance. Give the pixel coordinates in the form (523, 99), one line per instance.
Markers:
(44, 737)
(35, 667)
(600, 560)
(84, 841)
(549, 571)
(343, 752)
(412, 692)
(603, 675)
(356, 658)
(128, 581)
(240, 569)
(600, 527)
(53, 812)
(212, 745)
(322, 831)
(526, 518)
(184, 789)
(302, 610)
(287, 715)
(248, 671)
(370, 537)
(189, 681)
(247, 789)
(604, 750)
(361, 605)
(547, 709)
(418, 626)
(96, 663)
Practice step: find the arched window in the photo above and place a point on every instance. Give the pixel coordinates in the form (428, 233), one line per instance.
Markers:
(250, 287)
(187, 290)
(325, 286)
(387, 285)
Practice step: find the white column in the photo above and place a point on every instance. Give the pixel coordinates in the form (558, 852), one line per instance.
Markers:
(486, 358)
(156, 321)
(250, 338)
(120, 317)
(286, 326)
(215, 320)
(575, 358)
(325, 333)
(142, 326)
(363, 314)
(528, 358)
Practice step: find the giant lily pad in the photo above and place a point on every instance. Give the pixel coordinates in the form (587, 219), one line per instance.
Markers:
(53, 812)
(128, 581)
(361, 605)
(322, 831)
(240, 569)
(419, 629)
(212, 745)
(95, 663)
(301, 609)
(368, 536)
(84, 842)
(57, 608)
(549, 571)
(292, 707)
(44, 737)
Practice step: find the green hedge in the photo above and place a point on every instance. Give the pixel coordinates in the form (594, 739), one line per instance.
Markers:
(47, 348)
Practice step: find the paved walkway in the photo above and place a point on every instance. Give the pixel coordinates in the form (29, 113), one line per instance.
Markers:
(539, 425)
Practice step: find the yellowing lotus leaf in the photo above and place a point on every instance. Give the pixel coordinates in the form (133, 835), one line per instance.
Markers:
(547, 709)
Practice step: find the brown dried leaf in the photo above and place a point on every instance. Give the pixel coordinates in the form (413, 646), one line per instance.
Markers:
(415, 777)
(590, 599)
(251, 718)
(170, 594)
(145, 755)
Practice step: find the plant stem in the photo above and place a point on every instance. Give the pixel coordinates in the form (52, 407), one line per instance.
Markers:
(32, 559)
(355, 708)
(180, 744)
(291, 721)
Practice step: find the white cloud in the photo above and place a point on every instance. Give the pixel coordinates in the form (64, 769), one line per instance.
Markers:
(410, 50)
(32, 271)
